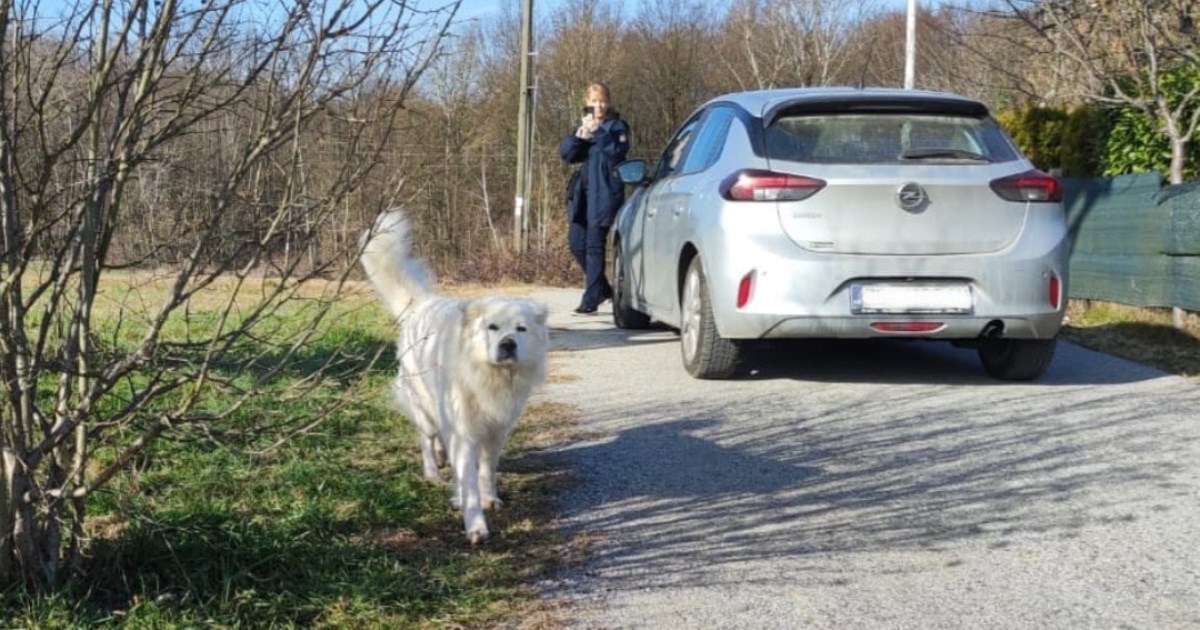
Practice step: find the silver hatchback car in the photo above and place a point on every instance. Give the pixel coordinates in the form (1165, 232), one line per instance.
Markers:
(843, 213)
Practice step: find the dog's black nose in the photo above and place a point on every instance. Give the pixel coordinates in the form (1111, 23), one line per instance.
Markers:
(508, 348)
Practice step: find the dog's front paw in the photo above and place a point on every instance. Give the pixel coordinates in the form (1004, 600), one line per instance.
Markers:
(475, 525)
(492, 503)
(478, 535)
(456, 501)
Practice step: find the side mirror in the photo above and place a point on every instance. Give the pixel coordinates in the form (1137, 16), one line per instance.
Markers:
(633, 172)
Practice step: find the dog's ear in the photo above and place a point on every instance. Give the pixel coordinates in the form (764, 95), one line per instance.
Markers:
(541, 312)
(473, 311)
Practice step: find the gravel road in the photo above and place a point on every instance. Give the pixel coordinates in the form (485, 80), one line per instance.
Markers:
(874, 485)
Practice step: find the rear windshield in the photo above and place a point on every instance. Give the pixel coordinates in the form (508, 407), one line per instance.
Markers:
(887, 138)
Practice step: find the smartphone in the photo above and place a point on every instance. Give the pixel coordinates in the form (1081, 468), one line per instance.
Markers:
(589, 110)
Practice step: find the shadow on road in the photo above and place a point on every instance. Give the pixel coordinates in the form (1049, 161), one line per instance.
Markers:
(875, 471)
(601, 334)
(867, 360)
(896, 361)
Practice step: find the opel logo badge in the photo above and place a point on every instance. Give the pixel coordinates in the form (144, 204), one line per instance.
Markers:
(911, 196)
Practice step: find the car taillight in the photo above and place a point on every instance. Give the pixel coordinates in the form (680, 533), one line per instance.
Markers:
(1054, 291)
(753, 185)
(1028, 186)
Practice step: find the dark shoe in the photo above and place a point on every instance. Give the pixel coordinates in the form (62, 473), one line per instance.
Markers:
(584, 310)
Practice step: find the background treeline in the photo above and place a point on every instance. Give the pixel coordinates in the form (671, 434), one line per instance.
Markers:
(449, 155)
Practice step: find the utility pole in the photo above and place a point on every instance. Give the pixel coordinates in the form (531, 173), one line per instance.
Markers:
(910, 45)
(521, 204)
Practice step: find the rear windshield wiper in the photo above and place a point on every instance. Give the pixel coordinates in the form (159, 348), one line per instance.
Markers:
(935, 154)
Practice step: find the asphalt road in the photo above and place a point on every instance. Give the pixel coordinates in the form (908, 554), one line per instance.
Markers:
(874, 485)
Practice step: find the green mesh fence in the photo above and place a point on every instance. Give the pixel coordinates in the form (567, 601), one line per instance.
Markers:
(1133, 241)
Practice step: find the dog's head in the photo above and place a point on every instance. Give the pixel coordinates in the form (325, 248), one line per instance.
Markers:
(507, 331)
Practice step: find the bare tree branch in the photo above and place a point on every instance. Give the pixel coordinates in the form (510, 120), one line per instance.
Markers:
(210, 139)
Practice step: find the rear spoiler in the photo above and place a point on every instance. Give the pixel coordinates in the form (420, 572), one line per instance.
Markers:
(892, 104)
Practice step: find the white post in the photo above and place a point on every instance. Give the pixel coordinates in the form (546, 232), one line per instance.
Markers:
(910, 45)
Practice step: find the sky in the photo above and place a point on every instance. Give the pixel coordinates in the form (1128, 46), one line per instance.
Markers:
(484, 8)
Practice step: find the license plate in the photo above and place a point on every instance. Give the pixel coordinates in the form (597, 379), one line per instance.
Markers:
(911, 298)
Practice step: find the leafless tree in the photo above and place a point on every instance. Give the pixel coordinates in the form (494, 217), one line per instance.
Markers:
(453, 146)
(215, 140)
(776, 43)
(1125, 51)
(666, 74)
(982, 56)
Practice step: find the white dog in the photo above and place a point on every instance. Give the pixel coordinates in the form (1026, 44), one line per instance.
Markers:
(467, 367)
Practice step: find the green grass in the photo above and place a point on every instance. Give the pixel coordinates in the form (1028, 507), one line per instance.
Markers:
(1139, 334)
(335, 528)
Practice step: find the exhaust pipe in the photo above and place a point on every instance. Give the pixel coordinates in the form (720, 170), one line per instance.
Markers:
(993, 330)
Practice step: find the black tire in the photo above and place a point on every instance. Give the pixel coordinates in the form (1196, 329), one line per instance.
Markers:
(624, 315)
(1016, 359)
(705, 353)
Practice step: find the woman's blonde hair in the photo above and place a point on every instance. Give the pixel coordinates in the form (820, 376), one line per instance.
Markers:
(597, 87)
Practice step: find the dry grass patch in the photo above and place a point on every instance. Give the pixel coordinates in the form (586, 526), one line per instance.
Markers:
(546, 423)
(143, 291)
(392, 538)
(475, 290)
(1145, 335)
(558, 372)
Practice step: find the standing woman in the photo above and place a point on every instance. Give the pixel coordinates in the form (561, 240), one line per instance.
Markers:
(594, 194)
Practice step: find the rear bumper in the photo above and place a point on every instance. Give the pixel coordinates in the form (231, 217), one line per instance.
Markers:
(808, 295)
(762, 326)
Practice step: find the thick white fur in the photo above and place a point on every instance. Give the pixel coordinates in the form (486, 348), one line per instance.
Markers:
(467, 367)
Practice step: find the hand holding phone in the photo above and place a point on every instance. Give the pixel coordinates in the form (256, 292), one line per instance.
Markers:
(589, 122)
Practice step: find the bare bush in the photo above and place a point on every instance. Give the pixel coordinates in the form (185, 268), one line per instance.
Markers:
(216, 142)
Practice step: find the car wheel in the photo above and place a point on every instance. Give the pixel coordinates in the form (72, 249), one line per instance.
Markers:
(705, 353)
(1016, 359)
(624, 315)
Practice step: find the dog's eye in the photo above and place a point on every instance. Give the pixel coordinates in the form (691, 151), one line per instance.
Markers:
(493, 327)
(521, 328)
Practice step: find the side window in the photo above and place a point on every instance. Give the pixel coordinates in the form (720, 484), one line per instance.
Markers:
(677, 149)
(710, 139)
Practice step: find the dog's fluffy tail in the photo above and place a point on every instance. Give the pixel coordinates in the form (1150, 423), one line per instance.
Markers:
(401, 279)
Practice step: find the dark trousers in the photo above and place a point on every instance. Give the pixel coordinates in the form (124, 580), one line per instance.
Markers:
(588, 243)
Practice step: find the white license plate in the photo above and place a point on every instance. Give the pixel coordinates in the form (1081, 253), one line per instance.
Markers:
(911, 298)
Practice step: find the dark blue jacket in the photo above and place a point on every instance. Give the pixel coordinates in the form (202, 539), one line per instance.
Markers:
(595, 193)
